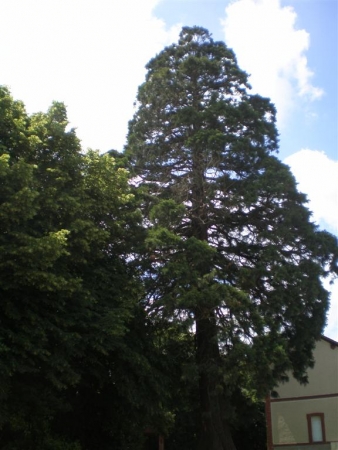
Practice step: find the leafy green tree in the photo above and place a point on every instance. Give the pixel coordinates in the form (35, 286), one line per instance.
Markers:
(233, 251)
(73, 338)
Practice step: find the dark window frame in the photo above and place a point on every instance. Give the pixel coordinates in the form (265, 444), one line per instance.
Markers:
(310, 431)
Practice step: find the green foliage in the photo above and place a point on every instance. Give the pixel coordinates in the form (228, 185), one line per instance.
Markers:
(72, 338)
(225, 209)
(232, 244)
(174, 302)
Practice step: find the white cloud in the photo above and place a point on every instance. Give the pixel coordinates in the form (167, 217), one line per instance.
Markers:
(317, 177)
(89, 54)
(331, 330)
(269, 46)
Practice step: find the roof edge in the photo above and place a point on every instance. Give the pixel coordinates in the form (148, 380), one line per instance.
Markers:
(329, 340)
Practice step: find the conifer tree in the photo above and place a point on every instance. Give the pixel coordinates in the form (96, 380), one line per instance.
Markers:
(232, 250)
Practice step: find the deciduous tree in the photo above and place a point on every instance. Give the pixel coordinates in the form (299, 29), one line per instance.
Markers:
(73, 339)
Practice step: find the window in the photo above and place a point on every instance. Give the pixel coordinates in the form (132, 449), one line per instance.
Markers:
(316, 427)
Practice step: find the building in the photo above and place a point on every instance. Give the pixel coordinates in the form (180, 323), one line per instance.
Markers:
(306, 417)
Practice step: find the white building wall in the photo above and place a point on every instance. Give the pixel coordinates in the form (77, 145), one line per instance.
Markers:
(289, 422)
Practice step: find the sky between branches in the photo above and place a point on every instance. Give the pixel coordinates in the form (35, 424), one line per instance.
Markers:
(91, 55)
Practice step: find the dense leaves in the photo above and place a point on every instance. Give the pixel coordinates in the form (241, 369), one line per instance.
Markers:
(168, 301)
(232, 244)
(71, 326)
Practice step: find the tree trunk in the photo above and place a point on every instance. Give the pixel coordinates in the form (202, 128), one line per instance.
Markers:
(214, 433)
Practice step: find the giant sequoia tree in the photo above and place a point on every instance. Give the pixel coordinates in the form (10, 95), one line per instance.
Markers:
(233, 251)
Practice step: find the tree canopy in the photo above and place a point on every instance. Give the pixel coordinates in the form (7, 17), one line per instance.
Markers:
(165, 289)
(69, 306)
(234, 253)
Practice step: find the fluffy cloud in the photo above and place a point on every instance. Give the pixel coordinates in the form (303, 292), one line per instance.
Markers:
(317, 177)
(272, 50)
(89, 54)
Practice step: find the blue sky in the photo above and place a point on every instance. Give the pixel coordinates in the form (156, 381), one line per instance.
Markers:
(91, 55)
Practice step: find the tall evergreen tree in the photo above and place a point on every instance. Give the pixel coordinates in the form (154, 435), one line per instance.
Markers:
(232, 249)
